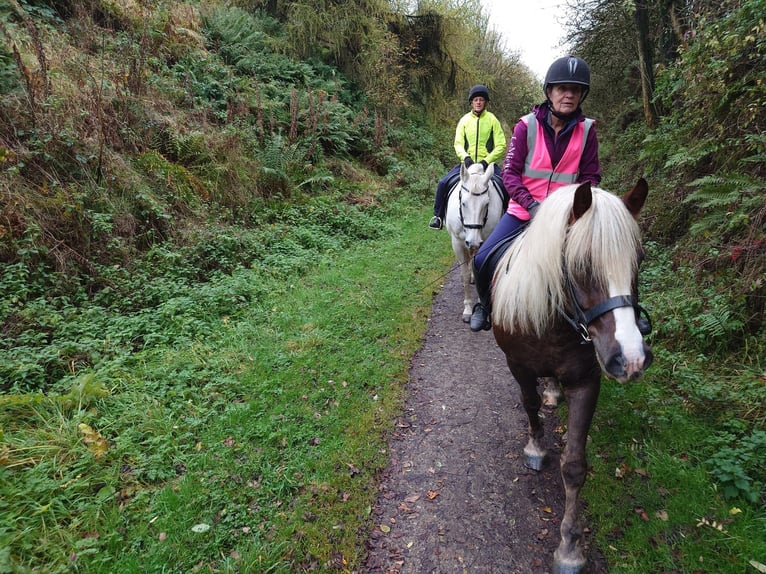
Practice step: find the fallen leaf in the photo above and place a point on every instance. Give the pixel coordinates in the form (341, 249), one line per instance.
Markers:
(662, 515)
(758, 566)
(97, 444)
(353, 471)
(412, 498)
(432, 494)
(385, 528)
(201, 527)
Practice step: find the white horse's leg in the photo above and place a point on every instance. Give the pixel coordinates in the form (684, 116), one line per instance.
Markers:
(551, 392)
(464, 260)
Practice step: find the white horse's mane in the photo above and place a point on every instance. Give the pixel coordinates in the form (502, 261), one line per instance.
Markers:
(604, 245)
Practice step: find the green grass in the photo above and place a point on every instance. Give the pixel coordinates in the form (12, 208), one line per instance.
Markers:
(650, 499)
(253, 446)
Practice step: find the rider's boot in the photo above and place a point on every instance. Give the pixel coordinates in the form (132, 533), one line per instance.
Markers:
(480, 318)
(435, 223)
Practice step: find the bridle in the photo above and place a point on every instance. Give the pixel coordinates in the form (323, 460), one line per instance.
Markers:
(582, 317)
(460, 204)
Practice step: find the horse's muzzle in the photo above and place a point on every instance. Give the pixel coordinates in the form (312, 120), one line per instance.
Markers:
(624, 369)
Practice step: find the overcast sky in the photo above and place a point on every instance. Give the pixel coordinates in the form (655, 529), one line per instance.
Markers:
(530, 27)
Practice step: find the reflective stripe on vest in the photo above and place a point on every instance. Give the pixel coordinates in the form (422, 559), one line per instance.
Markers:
(538, 169)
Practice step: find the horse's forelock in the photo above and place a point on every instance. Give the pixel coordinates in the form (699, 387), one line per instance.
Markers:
(604, 243)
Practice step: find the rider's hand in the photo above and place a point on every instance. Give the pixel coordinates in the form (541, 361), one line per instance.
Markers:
(532, 209)
(484, 164)
(468, 161)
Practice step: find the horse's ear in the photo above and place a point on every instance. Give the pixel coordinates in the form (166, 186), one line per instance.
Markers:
(488, 173)
(635, 198)
(583, 199)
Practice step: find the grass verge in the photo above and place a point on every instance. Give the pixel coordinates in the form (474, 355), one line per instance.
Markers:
(253, 447)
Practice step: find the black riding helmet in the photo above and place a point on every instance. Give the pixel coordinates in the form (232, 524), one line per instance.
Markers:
(478, 90)
(568, 70)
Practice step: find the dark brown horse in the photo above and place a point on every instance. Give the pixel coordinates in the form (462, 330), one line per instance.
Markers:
(565, 305)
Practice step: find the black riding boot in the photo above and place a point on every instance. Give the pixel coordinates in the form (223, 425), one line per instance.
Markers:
(480, 318)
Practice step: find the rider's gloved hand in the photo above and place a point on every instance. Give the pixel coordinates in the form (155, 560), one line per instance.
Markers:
(532, 209)
(484, 164)
(468, 161)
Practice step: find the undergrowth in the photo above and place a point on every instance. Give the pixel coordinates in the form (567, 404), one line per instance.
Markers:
(221, 405)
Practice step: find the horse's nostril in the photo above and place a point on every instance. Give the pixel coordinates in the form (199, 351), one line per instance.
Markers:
(615, 366)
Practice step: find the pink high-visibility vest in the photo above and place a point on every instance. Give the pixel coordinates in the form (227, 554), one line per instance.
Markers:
(539, 176)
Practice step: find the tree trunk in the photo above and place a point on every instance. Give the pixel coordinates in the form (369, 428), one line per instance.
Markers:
(645, 64)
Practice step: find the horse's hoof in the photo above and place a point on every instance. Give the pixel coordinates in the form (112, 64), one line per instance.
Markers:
(568, 567)
(534, 461)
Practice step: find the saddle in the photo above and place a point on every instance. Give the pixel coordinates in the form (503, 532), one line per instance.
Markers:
(487, 271)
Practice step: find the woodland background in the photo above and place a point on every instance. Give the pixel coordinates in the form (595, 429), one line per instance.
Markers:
(152, 151)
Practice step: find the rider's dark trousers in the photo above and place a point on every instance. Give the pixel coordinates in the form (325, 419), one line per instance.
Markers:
(507, 228)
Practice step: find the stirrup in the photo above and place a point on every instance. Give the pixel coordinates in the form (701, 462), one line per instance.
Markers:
(435, 223)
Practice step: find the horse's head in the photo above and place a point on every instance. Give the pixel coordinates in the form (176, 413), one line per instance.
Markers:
(474, 200)
(602, 257)
(575, 270)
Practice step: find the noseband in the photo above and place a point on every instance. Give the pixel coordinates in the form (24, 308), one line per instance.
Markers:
(582, 318)
(460, 203)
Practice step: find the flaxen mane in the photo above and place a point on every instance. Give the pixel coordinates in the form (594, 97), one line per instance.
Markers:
(529, 280)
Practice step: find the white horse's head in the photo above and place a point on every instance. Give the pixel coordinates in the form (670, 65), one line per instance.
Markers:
(469, 214)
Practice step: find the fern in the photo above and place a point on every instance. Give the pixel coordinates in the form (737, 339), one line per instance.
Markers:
(9, 73)
(282, 163)
(727, 200)
(236, 32)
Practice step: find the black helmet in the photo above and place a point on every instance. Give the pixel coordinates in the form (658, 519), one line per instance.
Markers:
(478, 90)
(568, 70)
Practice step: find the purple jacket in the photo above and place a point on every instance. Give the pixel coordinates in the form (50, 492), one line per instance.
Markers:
(590, 168)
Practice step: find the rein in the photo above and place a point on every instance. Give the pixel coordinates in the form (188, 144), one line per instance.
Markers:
(582, 318)
(460, 204)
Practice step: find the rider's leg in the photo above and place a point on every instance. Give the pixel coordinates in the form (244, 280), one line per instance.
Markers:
(484, 263)
(440, 199)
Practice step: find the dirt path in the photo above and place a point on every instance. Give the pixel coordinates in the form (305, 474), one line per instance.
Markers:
(457, 497)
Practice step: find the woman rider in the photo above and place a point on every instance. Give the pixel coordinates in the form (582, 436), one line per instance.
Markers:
(479, 137)
(553, 146)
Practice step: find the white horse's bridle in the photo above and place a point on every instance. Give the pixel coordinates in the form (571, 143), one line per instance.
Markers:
(460, 205)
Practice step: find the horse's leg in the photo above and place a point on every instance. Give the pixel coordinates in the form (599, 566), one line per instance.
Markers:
(464, 260)
(551, 391)
(581, 402)
(534, 452)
